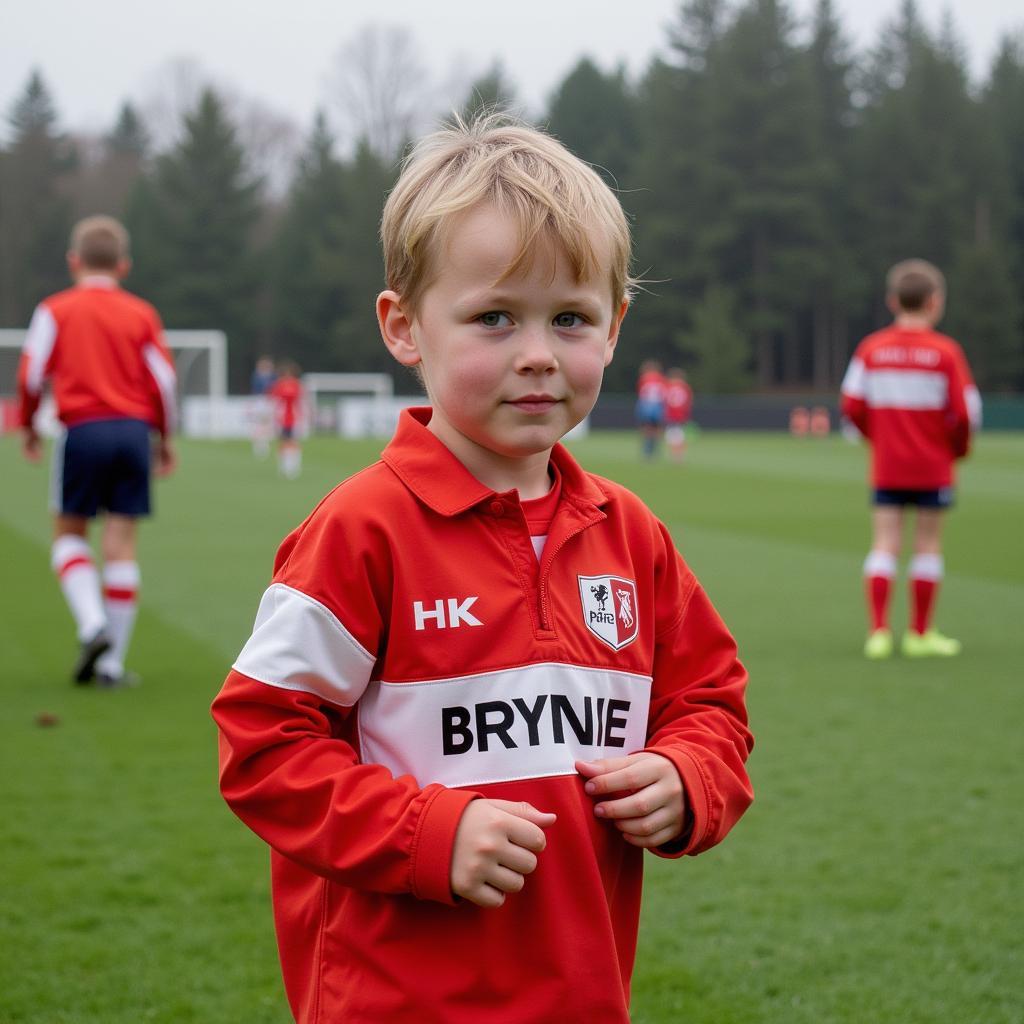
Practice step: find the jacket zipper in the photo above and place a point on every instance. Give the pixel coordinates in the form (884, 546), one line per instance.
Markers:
(544, 618)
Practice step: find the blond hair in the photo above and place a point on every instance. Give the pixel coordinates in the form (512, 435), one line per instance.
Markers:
(526, 174)
(912, 282)
(100, 242)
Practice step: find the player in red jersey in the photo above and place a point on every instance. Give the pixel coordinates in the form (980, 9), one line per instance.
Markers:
(910, 392)
(650, 406)
(102, 350)
(678, 408)
(483, 682)
(287, 395)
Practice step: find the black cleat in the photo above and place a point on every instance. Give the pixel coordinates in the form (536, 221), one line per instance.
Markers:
(92, 650)
(107, 681)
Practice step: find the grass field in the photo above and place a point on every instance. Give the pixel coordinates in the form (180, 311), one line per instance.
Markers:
(877, 878)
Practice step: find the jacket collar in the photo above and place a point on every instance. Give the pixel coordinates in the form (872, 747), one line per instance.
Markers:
(423, 463)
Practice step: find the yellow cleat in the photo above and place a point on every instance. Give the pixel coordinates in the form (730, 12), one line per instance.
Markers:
(878, 644)
(929, 645)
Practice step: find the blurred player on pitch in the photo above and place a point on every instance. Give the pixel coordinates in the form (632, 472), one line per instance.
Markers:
(909, 391)
(650, 406)
(678, 408)
(113, 380)
(261, 411)
(287, 395)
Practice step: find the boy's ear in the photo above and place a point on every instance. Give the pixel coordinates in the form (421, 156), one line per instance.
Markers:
(613, 331)
(396, 328)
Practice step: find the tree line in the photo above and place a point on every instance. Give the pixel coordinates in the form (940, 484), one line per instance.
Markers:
(771, 174)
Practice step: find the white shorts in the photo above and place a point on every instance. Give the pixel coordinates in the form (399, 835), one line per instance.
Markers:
(675, 433)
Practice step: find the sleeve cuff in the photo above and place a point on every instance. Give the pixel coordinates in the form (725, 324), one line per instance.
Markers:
(695, 824)
(435, 837)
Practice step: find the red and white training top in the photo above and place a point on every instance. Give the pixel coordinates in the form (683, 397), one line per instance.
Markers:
(103, 350)
(678, 401)
(650, 386)
(412, 654)
(287, 395)
(910, 392)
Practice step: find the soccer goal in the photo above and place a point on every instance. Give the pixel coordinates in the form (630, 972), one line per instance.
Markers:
(353, 404)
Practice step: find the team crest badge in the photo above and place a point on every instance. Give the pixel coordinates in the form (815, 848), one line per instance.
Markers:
(609, 609)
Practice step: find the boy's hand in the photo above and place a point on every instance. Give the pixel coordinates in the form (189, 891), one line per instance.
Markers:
(31, 446)
(652, 808)
(496, 845)
(166, 457)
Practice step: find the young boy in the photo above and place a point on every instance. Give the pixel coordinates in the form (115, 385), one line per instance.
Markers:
(909, 391)
(483, 682)
(287, 395)
(678, 406)
(113, 382)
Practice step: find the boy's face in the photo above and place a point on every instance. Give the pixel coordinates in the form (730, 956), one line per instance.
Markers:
(510, 365)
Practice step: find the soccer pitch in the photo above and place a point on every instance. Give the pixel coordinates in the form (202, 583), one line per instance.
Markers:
(877, 878)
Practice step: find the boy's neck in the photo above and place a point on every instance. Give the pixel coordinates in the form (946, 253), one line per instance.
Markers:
(914, 321)
(527, 474)
(102, 277)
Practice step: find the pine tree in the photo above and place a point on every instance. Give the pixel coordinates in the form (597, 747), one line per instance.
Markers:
(770, 219)
(985, 315)
(355, 336)
(309, 292)
(492, 93)
(594, 115)
(35, 217)
(715, 345)
(192, 224)
(677, 183)
(838, 284)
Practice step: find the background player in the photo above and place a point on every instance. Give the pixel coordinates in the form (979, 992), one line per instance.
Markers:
(113, 382)
(419, 724)
(650, 406)
(287, 395)
(909, 391)
(261, 421)
(678, 408)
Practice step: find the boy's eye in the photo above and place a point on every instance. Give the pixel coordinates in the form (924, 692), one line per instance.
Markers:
(568, 320)
(493, 319)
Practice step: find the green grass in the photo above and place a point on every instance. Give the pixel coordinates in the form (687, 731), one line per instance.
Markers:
(877, 877)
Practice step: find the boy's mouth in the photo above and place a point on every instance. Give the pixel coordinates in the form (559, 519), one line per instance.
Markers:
(534, 403)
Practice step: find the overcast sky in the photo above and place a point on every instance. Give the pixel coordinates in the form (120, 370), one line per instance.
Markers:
(94, 55)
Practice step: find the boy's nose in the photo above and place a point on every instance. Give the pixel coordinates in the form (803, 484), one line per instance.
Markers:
(536, 353)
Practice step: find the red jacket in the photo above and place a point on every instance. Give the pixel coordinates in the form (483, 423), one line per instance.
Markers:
(678, 401)
(104, 350)
(910, 392)
(287, 394)
(411, 655)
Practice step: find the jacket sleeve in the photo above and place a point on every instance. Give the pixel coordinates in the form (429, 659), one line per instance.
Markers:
(698, 718)
(289, 758)
(853, 394)
(160, 366)
(963, 410)
(34, 367)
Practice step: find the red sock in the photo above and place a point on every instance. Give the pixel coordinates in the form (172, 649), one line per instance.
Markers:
(878, 589)
(922, 597)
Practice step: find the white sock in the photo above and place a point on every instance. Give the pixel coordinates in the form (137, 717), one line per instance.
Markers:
(926, 567)
(291, 462)
(121, 594)
(71, 559)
